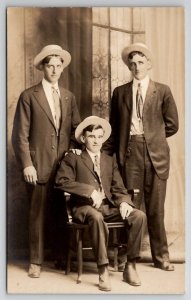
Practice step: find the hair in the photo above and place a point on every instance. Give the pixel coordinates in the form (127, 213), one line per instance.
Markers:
(48, 58)
(91, 128)
(134, 53)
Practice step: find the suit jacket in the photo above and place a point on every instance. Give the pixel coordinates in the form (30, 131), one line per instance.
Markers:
(77, 177)
(160, 120)
(34, 134)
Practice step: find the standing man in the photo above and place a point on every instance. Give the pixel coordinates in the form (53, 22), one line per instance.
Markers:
(143, 115)
(44, 124)
(98, 195)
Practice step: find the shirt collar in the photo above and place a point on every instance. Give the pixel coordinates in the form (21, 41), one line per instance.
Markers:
(92, 154)
(144, 82)
(48, 85)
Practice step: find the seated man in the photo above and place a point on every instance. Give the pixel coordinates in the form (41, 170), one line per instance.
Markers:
(99, 196)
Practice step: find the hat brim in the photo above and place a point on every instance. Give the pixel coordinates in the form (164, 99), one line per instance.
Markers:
(132, 48)
(44, 53)
(93, 120)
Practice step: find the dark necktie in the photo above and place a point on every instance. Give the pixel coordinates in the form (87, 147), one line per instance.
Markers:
(139, 102)
(57, 109)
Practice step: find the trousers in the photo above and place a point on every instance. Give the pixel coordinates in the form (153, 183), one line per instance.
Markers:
(138, 173)
(99, 234)
(47, 222)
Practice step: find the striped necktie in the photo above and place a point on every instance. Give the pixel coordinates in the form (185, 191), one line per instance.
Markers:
(57, 109)
(97, 165)
(139, 102)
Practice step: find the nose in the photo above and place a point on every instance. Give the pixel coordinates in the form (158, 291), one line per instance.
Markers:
(95, 140)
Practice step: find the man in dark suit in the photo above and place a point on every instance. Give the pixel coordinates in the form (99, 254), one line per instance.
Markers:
(98, 196)
(143, 115)
(44, 124)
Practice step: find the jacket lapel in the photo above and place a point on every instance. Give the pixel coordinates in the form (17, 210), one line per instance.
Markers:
(88, 162)
(103, 163)
(128, 96)
(42, 101)
(150, 95)
(64, 103)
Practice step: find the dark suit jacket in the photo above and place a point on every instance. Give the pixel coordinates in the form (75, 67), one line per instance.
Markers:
(34, 133)
(160, 120)
(77, 177)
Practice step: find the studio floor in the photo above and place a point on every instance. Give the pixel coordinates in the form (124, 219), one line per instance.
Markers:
(52, 281)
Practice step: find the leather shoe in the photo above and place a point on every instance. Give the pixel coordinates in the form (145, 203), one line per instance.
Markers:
(34, 271)
(130, 274)
(165, 265)
(104, 281)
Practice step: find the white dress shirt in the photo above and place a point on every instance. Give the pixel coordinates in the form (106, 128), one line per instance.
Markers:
(135, 122)
(48, 92)
(92, 155)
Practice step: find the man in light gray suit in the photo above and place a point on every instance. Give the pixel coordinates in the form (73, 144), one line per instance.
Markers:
(45, 121)
(143, 115)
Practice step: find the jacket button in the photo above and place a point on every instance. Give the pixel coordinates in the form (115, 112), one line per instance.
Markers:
(53, 147)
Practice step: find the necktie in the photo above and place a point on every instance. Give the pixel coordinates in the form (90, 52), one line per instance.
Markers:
(97, 165)
(57, 109)
(139, 102)
(97, 171)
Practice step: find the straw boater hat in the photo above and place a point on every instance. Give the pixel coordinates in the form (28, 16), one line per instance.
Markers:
(52, 50)
(93, 120)
(136, 47)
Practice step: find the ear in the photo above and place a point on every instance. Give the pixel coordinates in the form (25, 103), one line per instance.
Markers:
(82, 138)
(40, 67)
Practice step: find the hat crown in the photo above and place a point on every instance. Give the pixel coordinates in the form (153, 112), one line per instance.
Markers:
(51, 47)
(140, 45)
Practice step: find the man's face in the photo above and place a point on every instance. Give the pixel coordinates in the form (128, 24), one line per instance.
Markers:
(53, 70)
(139, 66)
(93, 140)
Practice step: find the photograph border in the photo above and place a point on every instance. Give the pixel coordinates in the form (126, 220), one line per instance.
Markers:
(3, 175)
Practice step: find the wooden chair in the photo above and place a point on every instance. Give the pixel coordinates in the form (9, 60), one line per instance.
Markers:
(78, 230)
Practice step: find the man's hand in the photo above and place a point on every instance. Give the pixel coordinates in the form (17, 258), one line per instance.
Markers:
(30, 175)
(125, 210)
(96, 199)
(76, 151)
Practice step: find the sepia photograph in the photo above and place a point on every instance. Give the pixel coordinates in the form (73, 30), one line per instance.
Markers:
(95, 150)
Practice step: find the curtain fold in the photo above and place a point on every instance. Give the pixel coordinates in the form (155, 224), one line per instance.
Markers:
(165, 38)
(70, 28)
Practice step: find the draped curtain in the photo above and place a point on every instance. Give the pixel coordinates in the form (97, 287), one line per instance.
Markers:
(70, 28)
(28, 30)
(164, 29)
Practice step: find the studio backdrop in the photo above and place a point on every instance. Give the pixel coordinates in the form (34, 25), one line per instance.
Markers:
(95, 38)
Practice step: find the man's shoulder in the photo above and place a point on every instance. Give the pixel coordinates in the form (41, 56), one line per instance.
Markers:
(108, 158)
(32, 88)
(123, 86)
(66, 92)
(160, 85)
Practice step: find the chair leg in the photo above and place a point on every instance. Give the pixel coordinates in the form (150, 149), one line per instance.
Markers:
(115, 243)
(69, 253)
(68, 263)
(79, 254)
